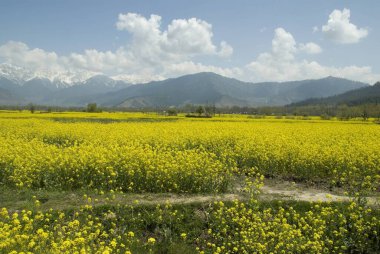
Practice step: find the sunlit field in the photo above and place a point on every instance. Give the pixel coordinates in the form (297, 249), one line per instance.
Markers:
(101, 157)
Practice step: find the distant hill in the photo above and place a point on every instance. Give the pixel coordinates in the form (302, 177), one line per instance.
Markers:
(210, 88)
(200, 88)
(7, 98)
(46, 92)
(85, 92)
(8, 92)
(364, 95)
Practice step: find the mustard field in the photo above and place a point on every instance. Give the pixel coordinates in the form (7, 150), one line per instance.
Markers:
(134, 153)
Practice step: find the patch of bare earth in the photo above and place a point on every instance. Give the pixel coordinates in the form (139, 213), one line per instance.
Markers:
(292, 191)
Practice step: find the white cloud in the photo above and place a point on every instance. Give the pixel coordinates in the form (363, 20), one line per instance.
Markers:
(225, 50)
(98, 61)
(315, 29)
(49, 65)
(146, 57)
(310, 48)
(340, 30)
(189, 67)
(283, 45)
(138, 78)
(281, 63)
(155, 54)
(181, 40)
(19, 53)
(192, 36)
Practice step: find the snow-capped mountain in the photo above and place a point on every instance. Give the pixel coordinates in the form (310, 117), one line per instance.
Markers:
(54, 88)
(60, 79)
(15, 74)
(102, 80)
(20, 86)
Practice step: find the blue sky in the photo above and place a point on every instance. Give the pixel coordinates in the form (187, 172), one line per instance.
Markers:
(53, 36)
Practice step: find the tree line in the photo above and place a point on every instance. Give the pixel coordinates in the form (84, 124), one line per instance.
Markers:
(343, 111)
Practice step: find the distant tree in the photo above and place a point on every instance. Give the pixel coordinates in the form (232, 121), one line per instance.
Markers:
(32, 108)
(92, 107)
(188, 108)
(210, 109)
(172, 112)
(365, 114)
(343, 112)
(200, 110)
(325, 116)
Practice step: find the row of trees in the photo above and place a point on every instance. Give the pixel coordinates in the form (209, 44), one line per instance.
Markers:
(343, 112)
(91, 107)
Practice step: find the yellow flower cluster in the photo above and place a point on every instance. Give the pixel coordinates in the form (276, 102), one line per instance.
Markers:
(243, 228)
(148, 153)
(85, 230)
(238, 227)
(131, 153)
(49, 232)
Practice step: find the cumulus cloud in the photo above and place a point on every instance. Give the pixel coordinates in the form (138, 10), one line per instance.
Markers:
(144, 58)
(281, 64)
(310, 48)
(340, 30)
(139, 78)
(39, 60)
(189, 67)
(283, 45)
(35, 62)
(225, 49)
(192, 36)
(182, 39)
(154, 53)
(98, 61)
(19, 53)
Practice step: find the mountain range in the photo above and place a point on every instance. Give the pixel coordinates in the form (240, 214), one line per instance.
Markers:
(364, 95)
(210, 88)
(200, 88)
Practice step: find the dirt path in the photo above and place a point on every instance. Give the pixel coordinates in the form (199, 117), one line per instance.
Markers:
(152, 199)
(310, 195)
(271, 191)
(282, 191)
